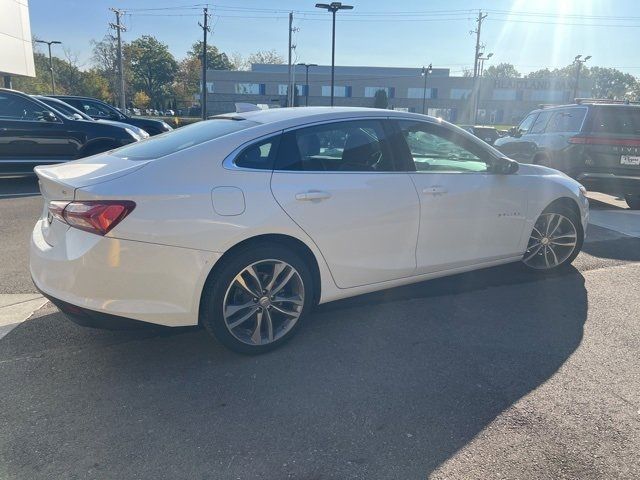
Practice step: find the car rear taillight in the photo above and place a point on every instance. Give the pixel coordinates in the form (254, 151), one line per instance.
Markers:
(94, 216)
(588, 140)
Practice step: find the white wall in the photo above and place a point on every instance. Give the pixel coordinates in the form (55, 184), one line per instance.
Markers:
(16, 49)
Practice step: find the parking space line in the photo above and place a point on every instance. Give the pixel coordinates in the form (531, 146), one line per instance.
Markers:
(16, 308)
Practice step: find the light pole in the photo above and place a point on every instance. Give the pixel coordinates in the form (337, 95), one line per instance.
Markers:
(333, 7)
(578, 63)
(53, 82)
(425, 71)
(306, 81)
(481, 60)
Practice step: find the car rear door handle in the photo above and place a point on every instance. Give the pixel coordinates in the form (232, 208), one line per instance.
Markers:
(312, 195)
(434, 190)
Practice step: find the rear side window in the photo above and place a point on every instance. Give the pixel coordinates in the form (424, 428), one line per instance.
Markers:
(259, 156)
(616, 120)
(567, 121)
(181, 138)
(351, 146)
(15, 107)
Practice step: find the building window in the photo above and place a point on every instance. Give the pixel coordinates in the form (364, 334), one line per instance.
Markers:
(460, 93)
(370, 92)
(283, 87)
(250, 88)
(504, 94)
(415, 92)
(210, 87)
(338, 91)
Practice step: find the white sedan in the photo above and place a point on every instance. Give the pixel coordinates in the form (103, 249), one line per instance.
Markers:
(244, 222)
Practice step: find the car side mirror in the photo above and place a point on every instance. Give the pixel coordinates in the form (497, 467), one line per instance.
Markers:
(514, 132)
(77, 116)
(504, 166)
(48, 116)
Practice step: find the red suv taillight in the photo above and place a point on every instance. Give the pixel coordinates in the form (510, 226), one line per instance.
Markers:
(587, 140)
(95, 216)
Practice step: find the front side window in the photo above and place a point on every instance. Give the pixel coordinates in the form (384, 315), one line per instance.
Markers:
(541, 122)
(567, 121)
(95, 109)
(438, 149)
(526, 124)
(355, 146)
(14, 107)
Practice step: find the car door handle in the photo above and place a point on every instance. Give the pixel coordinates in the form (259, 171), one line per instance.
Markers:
(312, 195)
(434, 190)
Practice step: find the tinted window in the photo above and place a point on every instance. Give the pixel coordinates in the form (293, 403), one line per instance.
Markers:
(63, 108)
(438, 149)
(259, 156)
(541, 122)
(525, 125)
(181, 138)
(569, 120)
(616, 120)
(15, 107)
(357, 146)
(95, 109)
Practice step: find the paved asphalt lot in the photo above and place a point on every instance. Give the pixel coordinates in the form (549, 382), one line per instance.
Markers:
(493, 374)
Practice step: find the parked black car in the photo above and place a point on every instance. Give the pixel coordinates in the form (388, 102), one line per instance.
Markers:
(73, 112)
(597, 142)
(33, 133)
(98, 109)
(487, 134)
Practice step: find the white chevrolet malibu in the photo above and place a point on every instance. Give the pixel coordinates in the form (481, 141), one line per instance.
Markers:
(244, 222)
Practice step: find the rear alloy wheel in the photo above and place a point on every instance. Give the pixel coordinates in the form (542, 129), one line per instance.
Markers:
(633, 201)
(258, 299)
(555, 240)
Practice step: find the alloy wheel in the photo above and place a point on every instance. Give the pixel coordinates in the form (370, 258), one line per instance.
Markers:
(263, 302)
(553, 239)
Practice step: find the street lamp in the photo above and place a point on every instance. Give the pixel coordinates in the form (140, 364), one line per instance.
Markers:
(333, 7)
(578, 63)
(425, 71)
(481, 60)
(306, 81)
(53, 83)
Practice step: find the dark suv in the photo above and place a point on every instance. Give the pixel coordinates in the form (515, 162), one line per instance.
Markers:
(596, 142)
(34, 133)
(100, 110)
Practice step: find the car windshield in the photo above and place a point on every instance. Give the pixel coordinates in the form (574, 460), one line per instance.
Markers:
(66, 110)
(181, 139)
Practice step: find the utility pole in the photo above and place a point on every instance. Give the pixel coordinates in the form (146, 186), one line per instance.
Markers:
(578, 63)
(205, 30)
(118, 27)
(425, 71)
(306, 86)
(478, 31)
(290, 95)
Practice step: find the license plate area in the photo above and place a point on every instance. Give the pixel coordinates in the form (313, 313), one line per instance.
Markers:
(632, 160)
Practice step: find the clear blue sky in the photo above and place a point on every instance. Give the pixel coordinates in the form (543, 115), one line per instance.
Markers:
(529, 34)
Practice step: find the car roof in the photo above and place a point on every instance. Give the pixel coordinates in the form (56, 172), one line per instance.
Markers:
(299, 115)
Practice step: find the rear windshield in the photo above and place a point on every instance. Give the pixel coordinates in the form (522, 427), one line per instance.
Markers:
(181, 138)
(616, 120)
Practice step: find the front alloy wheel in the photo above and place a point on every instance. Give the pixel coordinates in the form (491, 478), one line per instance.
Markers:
(554, 241)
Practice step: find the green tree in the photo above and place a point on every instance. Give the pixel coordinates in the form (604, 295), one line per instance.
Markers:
(153, 68)
(502, 70)
(216, 60)
(380, 99)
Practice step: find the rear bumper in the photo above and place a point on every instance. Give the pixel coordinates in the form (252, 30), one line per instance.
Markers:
(610, 183)
(105, 279)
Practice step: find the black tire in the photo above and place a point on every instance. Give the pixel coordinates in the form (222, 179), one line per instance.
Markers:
(575, 220)
(633, 201)
(215, 289)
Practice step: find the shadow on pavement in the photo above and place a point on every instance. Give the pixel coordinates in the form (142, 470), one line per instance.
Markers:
(390, 389)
